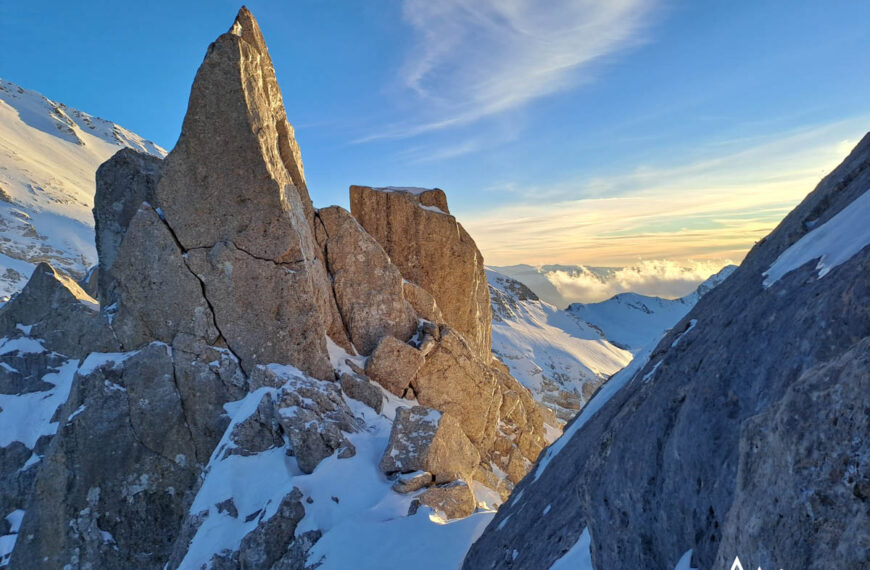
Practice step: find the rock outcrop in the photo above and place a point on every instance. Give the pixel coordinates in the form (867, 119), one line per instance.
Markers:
(238, 328)
(424, 439)
(233, 193)
(54, 308)
(123, 183)
(368, 287)
(432, 250)
(715, 444)
(111, 490)
(158, 296)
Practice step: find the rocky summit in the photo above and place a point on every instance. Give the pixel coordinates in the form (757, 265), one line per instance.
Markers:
(231, 324)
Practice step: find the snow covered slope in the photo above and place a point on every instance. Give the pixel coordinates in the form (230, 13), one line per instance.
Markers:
(632, 321)
(48, 156)
(561, 359)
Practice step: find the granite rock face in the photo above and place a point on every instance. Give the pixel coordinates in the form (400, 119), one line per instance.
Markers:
(233, 193)
(158, 295)
(262, 309)
(432, 250)
(118, 508)
(368, 287)
(423, 439)
(455, 381)
(724, 428)
(124, 182)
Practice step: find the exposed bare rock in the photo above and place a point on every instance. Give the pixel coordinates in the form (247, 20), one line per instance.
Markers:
(58, 311)
(238, 178)
(423, 302)
(414, 481)
(368, 287)
(393, 364)
(123, 182)
(271, 538)
(360, 388)
(110, 491)
(207, 377)
(454, 500)
(158, 296)
(235, 188)
(817, 436)
(455, 381)
(434, 251)
(423, 439)
(264, 310)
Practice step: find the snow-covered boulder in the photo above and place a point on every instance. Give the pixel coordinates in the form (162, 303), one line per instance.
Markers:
(426, 440)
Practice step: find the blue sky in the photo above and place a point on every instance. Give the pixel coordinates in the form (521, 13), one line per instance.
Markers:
(587, 132)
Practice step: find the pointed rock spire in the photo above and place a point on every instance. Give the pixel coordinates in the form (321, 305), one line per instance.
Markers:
(233, 194)
(236, 172)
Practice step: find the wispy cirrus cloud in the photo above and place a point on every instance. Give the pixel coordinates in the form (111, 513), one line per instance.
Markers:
(712, 208)
(477, 58)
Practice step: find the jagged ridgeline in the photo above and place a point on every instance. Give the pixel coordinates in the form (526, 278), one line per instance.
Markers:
(235, 325)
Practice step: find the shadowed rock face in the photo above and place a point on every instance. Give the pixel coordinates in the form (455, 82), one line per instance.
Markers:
(753, 414)
(123, 183)
(58, 311)
(83, 494)
(434, 251)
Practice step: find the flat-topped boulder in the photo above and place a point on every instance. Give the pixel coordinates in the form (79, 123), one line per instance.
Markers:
(434, 251)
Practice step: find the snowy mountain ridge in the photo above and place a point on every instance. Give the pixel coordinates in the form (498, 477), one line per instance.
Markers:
(48, 156)
(632, 321)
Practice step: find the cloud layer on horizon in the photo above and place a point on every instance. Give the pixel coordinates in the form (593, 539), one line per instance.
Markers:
(659, 278)
(712, 209)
